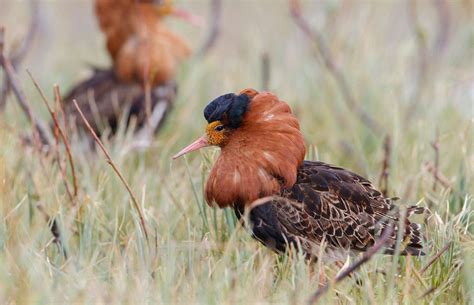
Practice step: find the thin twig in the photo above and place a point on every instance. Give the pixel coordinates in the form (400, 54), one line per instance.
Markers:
(58, 130)
(116, 170)
(215, 21)
(41, 133)
(384, 174)
(384, 238)
(62, 168)
(434, 258)
(59, 105)
(19, 53)
(65, 138)
(57, 126)
(435, 145)
(442, 179)
(341, 81)
(265, 59)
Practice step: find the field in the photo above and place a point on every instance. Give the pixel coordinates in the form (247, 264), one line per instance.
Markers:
(409, 65)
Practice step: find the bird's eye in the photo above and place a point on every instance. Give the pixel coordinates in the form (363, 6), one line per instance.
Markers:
(219, 128)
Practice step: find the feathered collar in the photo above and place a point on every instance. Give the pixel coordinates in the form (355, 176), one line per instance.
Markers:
(261, 156)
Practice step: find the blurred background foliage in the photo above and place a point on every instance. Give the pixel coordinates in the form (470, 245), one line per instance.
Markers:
(408, 64)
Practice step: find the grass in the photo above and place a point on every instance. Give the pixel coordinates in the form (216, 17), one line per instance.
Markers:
(198, 254)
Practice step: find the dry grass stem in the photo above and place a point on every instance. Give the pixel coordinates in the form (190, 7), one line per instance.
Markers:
(63, 133)
(116, 170)
(59, 130)
(427, 292)
(434, 258)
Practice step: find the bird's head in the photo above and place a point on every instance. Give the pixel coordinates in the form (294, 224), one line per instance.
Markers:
(261, 146)
(224, 116)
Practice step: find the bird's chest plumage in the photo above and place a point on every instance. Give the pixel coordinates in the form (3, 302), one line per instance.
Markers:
(238, 178)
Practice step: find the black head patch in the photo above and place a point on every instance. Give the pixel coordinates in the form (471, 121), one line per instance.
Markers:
(228, 107)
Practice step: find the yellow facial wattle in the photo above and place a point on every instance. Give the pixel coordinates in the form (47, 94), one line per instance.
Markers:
(215, 133)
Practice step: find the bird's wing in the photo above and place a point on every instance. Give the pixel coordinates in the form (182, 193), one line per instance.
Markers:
(340, 207)
(104, 99)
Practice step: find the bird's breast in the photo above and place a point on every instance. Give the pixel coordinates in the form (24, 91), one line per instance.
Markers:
(231, 182)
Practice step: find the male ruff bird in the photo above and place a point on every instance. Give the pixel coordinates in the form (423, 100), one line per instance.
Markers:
(145, 53)
(292, 202)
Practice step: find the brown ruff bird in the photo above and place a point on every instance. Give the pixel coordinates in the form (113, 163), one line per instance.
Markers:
(141, 46)
(144, 53)
(300, 203)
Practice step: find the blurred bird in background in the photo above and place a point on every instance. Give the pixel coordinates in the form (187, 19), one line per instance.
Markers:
(261, 173)
(145, 55)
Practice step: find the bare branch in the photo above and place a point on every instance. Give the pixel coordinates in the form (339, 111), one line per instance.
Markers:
(62, 168)
(19, 54)
(41, 133)
(215, 21)
(341, 81)
(59, 129)
(384, 238)
(116, 170)
(438, 175)
(64, 137)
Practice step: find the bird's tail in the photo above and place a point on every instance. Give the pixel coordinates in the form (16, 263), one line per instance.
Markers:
(411, 243)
